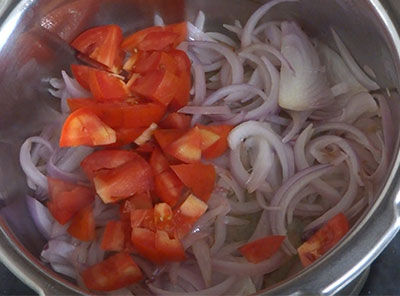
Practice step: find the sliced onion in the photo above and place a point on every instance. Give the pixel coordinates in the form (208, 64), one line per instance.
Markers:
(206, 110)
(201, 251)
(73, 87)
(40, 216)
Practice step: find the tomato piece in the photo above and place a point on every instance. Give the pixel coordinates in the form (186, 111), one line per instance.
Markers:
(114, 273)
(187, 214)
(168, 187)
(144, 240)
(157, 85)
(106, 160)
(208, 138)
(82, 226)
(132, 41)
(104, 86)
(167, 136)
(200, 178)
(176, 121)
(101, 44)
(262, 249)
(182, 60)
(142, 200)
(67, 199)
(156, 38)
(164, 218)
(146, 135)
(143, 218)
(158, 162)
(124, 181)
(116, 235)
(170, 249)
(83, 127)
(182, 95)
(157, 60)
(187, 148)
(132, 60)
(81, 74)
(218, 148)
(324, 239)
(121, 114)
(128, 135)
(147, 148)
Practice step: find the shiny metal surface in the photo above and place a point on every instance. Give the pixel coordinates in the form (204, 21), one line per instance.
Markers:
(30, 54)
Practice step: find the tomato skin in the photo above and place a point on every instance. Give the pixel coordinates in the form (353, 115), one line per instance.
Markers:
(81, 74)
(84, 128)
(164, 137)
(116, 236)
(200, 178)
(187, 148)
(182, 60)
(124, 181)
(182, 95)
(127, 135)
(324, 239)
(158, 162)
(114, 273)
(187, 214)
(105, 87)
(156, 38)
(218, 148)
(67, 199)
(170, 249)
(144, 240)
(156, 60)
(121, 115)
(168, 187)
(143, 218)
(105, 160)
(262, 249)
(82, 226)
(101, 44)
(157, 85)
(176, 121)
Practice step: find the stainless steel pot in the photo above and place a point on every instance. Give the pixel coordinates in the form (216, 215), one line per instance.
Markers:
(31, 54)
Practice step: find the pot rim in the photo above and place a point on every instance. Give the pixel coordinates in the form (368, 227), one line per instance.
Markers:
(341, 265)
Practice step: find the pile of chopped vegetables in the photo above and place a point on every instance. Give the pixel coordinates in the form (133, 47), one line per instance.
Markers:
(186, 161)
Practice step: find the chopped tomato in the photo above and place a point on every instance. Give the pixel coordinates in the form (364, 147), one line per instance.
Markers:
(121, 114)
(128, 135)
(182, 60)
(82, 226)
(83, 127)
(324, 239)
(156, 38)
(104, 86)
(114, 273)
(182, 95)
(131, 61)
(218, 148)
(146, 135)
(144, 241)
(101, 44)
(176, 121)
(116, 235)
(168, 187)
(157, 85)
(141, 200)
(124, 181)
(208, 138)
(164, 218)
(158, 162)
(187, 214)
(170, 249)
(164, 137)
(157, 60)
(187, 148)
(106, 160)
(143, 218)
(262, 249)
(200, 178)
(146, 149)
(81, 74)
(67, 199)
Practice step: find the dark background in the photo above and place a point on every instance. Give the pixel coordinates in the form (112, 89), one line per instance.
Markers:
(383, 278)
